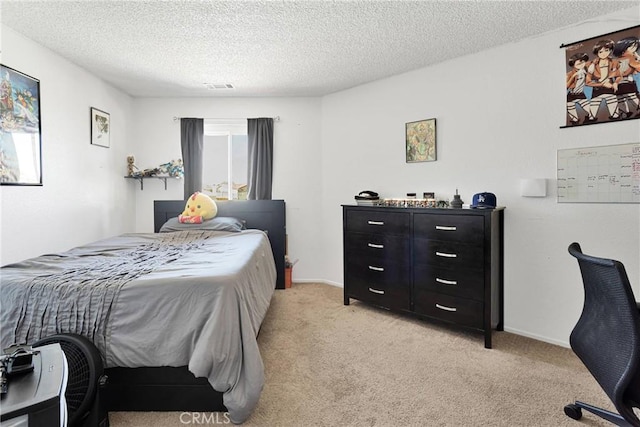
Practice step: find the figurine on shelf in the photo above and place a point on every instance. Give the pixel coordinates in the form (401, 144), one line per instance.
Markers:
(456, 203)
(131, 165)
(174, 168)
(150, 172)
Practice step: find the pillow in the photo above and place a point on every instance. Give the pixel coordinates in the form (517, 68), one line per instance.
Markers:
(199, 208)
(221, 223)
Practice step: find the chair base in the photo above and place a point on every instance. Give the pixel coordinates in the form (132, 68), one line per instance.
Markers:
(574, 411)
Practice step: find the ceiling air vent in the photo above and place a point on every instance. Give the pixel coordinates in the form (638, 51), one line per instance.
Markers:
(218, 86)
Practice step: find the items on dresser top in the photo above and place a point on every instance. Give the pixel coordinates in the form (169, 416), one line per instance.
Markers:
(484, 201)
(436, 263)
(457, 201)
(410, 202)
(367, 198)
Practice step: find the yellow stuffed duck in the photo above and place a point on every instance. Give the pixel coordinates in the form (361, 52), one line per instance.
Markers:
(199, 208)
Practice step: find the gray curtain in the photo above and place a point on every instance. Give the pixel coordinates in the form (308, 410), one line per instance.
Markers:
(260, 135)
(191, 140)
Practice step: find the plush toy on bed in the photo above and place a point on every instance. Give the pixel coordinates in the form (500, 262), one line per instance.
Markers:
(199, 208)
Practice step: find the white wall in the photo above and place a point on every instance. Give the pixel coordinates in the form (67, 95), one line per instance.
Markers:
(498, 116)
(297, 170)
(84, 196)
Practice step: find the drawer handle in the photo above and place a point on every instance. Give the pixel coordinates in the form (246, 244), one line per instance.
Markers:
(375, 222)
(376, 291)
(446, 228)
(444, 307)
(371, 267)
(446, 282)
(374, 245)
(446, 255)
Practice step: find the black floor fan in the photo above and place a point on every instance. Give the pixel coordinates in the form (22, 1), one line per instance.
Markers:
(86, 376)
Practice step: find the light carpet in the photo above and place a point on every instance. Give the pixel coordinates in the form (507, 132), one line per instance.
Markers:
(327, 364)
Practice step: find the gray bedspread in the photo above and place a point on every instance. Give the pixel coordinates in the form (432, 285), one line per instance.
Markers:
(193, 298)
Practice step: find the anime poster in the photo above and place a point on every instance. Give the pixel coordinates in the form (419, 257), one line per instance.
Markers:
(603, 78)
(20, 144)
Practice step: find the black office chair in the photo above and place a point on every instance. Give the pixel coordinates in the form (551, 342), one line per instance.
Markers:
(607, 338)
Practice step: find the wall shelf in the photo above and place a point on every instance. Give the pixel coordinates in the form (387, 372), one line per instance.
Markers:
(142, 178)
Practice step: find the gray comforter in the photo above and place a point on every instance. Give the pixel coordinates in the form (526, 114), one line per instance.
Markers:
(193, 298)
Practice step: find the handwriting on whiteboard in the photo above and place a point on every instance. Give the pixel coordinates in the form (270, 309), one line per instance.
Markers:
(606, 174)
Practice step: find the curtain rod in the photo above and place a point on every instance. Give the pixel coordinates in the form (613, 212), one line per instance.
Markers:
(275, 119)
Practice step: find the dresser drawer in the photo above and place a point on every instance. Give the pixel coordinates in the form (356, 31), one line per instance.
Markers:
(377, 288)
(377, 246)
(452, 228)
(461, 311)
(382, 272)
(451, 255)
(371, 221)
(460, 283)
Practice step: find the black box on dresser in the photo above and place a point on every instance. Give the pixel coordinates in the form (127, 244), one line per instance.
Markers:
(435, 263)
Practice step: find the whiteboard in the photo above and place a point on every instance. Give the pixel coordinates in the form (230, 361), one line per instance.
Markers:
(607, 174)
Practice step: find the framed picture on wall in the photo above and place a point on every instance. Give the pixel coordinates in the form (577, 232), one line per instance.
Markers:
(100, 128)
(420, 141)
(603, 78)
(20, 136)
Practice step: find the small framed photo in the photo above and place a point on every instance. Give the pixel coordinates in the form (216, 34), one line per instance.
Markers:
(100, 128)
(420, 141)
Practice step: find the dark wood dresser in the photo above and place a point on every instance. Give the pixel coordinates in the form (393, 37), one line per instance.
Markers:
(444, 264)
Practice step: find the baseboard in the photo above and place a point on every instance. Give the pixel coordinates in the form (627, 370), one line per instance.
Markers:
(537, 337)
(323, 281)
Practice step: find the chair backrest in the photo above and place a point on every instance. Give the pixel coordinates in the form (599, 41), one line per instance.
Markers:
(607, 335)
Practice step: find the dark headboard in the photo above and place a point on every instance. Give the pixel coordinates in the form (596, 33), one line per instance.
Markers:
(267, 215)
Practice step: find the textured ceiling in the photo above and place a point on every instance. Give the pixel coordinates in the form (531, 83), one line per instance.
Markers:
(277, 48)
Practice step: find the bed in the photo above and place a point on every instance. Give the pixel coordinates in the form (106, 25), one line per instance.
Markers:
(161, 307)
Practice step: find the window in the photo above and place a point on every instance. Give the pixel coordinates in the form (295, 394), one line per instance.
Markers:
(225, 159)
